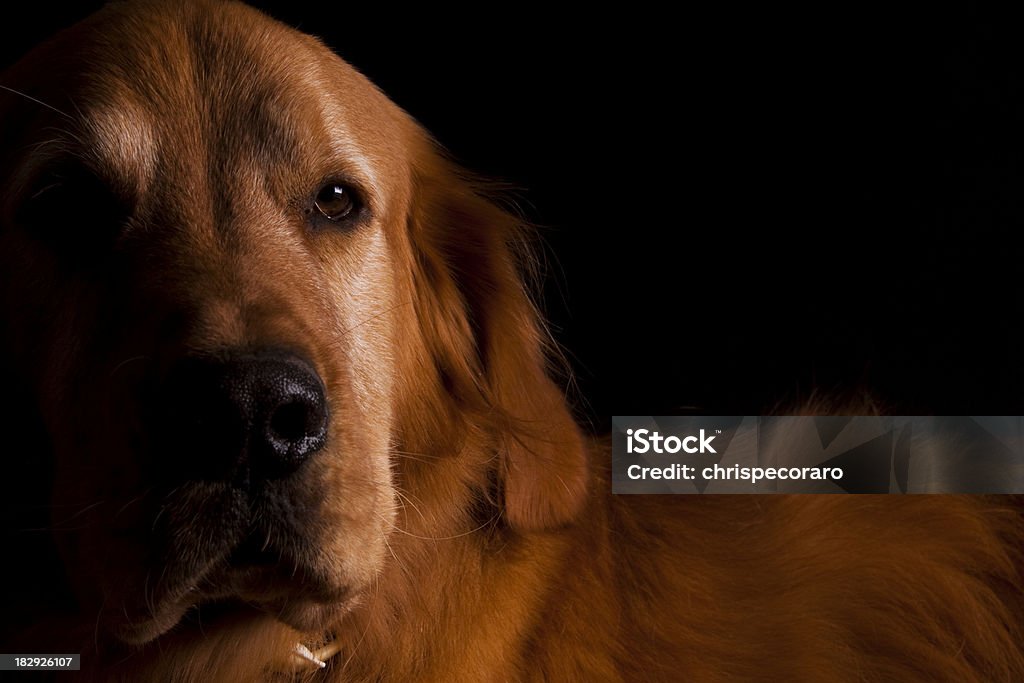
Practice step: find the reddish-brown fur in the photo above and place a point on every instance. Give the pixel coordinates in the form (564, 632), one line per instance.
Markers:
(484, 539)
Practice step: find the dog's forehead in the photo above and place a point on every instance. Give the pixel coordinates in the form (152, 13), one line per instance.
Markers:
(151, 81)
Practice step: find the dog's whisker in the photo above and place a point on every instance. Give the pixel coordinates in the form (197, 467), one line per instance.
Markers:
(402, 499)
(401, 565)
(405, 496)
(417, 457)
(33, 99)
(401, 503)
(52, 529)
(69, 529)
(163, 507)
(160, 580)
(266, 541)
(352, 651)
(494, 518)
(134, 500)
(126, 362)
(82, 511)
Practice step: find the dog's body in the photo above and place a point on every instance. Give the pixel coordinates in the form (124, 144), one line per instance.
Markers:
(266, 228)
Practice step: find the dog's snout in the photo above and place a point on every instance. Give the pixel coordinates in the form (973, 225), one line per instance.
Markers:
(244, 416)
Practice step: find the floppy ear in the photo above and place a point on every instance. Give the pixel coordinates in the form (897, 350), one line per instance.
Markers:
(491, 352)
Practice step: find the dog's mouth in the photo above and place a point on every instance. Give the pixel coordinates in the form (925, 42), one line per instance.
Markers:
(277, 582)
(255, 577)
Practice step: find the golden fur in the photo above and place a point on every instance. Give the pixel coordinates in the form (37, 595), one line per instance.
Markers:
(459, 518)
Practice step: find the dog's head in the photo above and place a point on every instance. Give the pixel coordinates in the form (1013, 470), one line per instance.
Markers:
(255, 306)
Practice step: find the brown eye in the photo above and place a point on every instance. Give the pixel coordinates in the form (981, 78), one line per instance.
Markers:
(335, 202)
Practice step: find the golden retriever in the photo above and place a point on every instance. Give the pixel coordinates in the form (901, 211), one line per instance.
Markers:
(297, 400)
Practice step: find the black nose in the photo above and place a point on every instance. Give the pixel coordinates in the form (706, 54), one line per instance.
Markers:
(243, 416)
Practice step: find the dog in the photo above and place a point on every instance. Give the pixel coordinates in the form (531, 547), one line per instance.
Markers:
(301, 421)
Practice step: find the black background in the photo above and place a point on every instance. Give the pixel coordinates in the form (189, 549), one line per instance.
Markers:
(739, 208)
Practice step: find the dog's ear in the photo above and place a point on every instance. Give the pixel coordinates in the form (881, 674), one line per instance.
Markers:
(491, 348)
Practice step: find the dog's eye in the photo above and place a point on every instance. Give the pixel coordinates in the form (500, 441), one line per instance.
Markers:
(336, 202)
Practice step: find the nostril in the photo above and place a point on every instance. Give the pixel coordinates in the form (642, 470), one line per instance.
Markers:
(292, 421)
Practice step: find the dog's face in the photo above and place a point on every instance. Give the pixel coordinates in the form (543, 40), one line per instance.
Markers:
(199, 262)
(252, 303)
